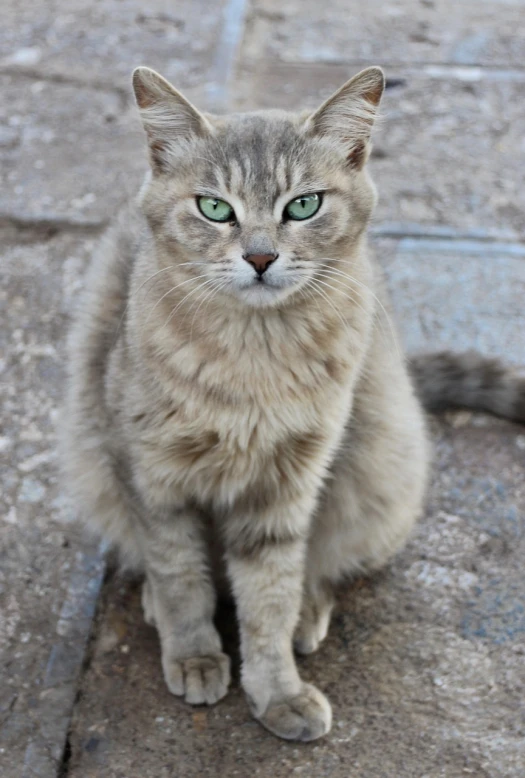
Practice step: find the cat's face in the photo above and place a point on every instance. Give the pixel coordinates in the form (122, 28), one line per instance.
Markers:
(259, 205)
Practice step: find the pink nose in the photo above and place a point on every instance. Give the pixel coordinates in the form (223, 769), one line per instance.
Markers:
(260, 262)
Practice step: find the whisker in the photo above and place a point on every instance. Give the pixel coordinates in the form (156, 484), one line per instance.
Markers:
(353, 299)
(202, 287)
(315, 283)
(392, 331)
(173, 289)
(356, 302)
(353, 280)
(147, 281)
(131, 296)
(311, 296)
(215, 290)
(197, 289)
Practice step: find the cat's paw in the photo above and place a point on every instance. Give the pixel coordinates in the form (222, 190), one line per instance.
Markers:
(308, 638)
(201, 680)
(313, 626)
(306, 716)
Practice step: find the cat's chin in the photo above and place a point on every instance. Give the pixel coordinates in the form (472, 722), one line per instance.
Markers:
(262, 295)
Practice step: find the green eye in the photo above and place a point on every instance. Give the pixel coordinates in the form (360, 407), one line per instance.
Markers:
(303, 207)
(214, 209)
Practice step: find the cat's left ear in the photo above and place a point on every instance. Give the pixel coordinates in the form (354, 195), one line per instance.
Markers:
(169, 119)
(349, 115)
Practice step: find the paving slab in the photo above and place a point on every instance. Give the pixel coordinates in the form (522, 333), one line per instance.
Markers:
(76, 152)
(70, 136)
(101, 42)
(424, 663)
(445, 151)
(393, 32)
(457, 295)
(41, 551)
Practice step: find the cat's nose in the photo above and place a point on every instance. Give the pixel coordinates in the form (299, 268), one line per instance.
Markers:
(260, 262)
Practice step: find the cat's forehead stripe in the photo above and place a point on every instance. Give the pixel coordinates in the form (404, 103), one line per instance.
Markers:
(260, 157)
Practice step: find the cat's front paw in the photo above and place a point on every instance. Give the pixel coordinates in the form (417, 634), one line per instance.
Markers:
(201, 680)
(306, 716)
(308, 637)
(313, 623)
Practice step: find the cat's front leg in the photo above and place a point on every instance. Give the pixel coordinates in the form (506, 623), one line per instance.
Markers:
(266, 554)
(180, 600)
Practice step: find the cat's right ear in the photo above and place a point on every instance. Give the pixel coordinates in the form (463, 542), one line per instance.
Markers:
(349, 115)
(168, 118)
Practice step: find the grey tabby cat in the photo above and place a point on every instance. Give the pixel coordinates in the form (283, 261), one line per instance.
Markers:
(237, 408)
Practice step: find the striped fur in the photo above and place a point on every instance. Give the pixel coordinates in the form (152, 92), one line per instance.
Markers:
(469, 380)
(216, 426)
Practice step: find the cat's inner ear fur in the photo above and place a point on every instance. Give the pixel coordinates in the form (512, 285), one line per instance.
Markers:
(169, 119)
(349, 115)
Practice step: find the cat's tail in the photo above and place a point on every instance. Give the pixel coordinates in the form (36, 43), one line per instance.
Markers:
(446, 380)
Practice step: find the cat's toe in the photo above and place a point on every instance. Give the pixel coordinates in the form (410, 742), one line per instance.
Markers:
(307, 716)
(306, 644)
(201, 680)
(311, 631)
(318, 603)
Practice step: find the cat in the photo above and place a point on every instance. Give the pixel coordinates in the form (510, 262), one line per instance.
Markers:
(238, 407)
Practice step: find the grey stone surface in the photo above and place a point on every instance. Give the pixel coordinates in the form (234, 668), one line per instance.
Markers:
(71, 140)
(79, 152)
(51, 711)
(39, 547)
(391, 32)
(100, 43)
(458, 295)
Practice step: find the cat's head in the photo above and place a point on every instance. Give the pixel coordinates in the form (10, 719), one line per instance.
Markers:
(258, 204)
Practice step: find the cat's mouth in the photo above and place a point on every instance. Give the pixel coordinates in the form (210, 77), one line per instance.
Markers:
(260, 291)
(259, 282)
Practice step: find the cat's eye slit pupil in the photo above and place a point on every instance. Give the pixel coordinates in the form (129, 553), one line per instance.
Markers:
(303, 207)
(215, 209)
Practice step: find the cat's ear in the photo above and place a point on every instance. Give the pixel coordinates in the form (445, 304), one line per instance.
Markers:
(168, 118)
(349, 115)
